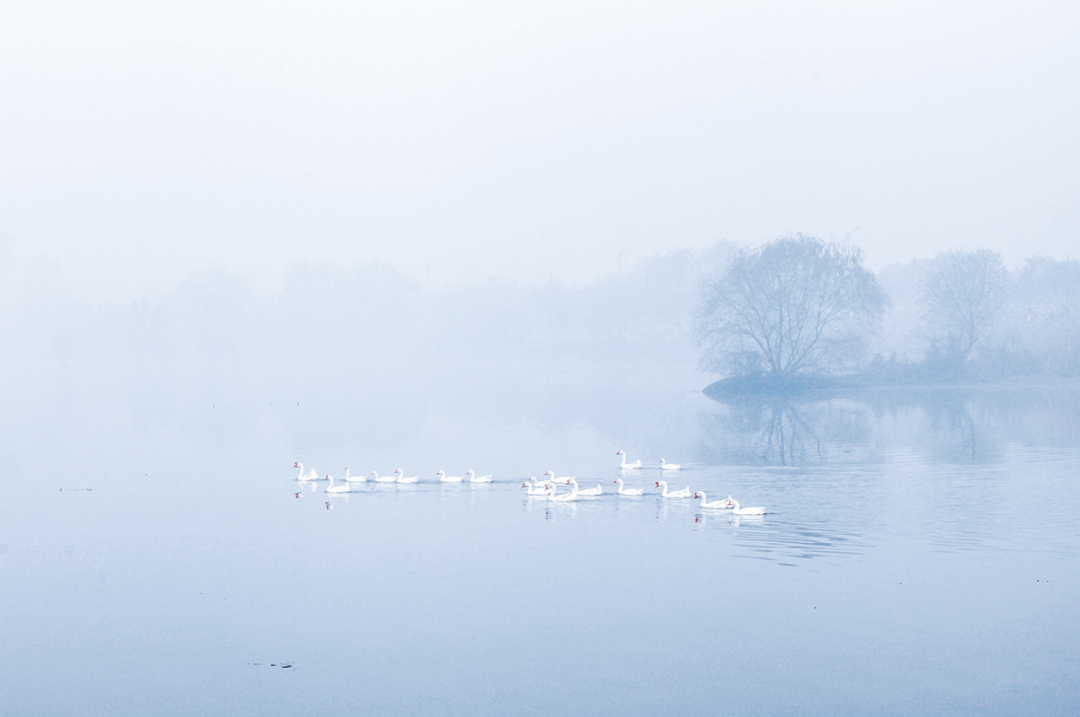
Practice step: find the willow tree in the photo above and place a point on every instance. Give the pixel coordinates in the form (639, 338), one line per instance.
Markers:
(794, 306)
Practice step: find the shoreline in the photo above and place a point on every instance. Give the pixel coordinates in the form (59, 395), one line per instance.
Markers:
(824, 387)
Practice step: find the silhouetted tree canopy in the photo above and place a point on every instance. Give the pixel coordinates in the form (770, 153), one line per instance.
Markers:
(962, 298)
(794, 306)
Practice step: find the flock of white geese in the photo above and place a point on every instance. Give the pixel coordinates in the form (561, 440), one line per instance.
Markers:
(546, 488)
(398, 476)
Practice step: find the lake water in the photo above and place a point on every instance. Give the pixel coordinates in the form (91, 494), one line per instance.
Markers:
(920, 553)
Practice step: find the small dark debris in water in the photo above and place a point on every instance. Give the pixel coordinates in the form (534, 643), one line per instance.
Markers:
(76, 490)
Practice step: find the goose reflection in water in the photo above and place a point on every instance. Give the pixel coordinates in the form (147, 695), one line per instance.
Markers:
(736, 520)
(668, 508)
(563, 509)
(335, 497)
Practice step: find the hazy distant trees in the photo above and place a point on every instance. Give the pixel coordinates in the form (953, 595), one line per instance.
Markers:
(1040, 328)
(794, 306)
(961, 300)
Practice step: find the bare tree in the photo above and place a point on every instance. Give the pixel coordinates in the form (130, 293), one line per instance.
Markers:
(962, 298)
(794, 306)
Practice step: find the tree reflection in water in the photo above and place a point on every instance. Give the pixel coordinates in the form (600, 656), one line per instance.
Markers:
(949, 425)
(785, 432)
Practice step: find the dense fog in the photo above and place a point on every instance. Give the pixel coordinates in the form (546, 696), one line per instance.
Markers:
(536, 141)
(1036, 332)
(818, 258)
(369, 334)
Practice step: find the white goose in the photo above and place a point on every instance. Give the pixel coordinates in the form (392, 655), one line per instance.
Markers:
(556, 481)
(684, 493)
(542, 483)
(536, 488)
(588, 491)
(665, 466)
(310, 475)
(628, 491)
(628, 466)
(565, 497)
(448, 479)
(349, 478)
(473, 478)
(758, 510)
(402, 479)
(383, 479)
(346, 488)
(722, 503)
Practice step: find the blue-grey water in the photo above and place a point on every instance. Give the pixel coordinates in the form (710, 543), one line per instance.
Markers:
(919, 555)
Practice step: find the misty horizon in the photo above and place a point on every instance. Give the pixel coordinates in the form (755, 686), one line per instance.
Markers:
(757, 324)
(528, 144)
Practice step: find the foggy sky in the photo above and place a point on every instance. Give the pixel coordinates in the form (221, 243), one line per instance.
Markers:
(527, 141)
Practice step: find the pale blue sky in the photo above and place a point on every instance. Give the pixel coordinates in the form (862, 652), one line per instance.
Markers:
(529, 141)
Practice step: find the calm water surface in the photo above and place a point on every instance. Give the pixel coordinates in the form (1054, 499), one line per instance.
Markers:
(919, 556)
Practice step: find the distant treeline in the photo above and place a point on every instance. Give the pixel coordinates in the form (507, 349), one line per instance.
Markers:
(800, 312)
(329, 329)
(368, 326)
(1030, 325)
